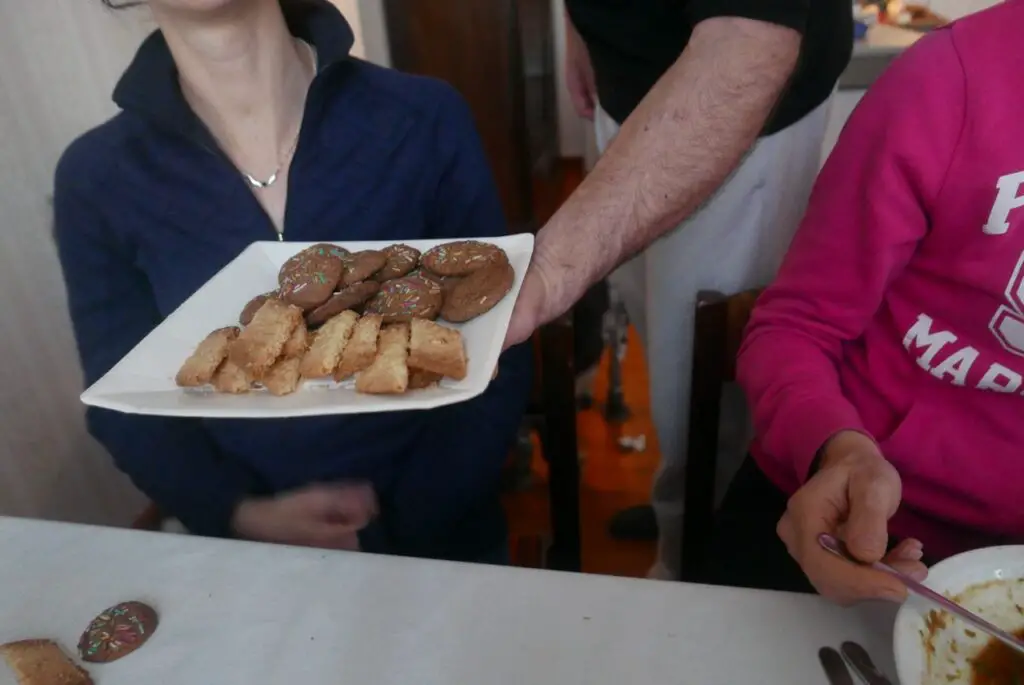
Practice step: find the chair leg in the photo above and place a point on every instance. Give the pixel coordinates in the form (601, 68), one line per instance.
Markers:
(558, 441)
(616, 331)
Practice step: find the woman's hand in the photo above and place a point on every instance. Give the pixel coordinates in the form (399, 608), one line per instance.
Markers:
(852, 496)
(327, 516)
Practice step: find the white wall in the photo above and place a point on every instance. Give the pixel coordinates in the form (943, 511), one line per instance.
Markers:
(367, 19)
(60, 61)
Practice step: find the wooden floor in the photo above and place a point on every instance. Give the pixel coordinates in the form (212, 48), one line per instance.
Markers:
(611, 478)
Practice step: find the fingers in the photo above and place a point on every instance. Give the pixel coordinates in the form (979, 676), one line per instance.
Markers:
(854, 504)
(840, 581)
(528, 309)
(350, 506)
(582, 102)
(873, 498)
(906, 558)
(329, 536)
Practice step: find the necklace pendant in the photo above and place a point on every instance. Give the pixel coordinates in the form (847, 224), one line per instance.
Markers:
(258, 184)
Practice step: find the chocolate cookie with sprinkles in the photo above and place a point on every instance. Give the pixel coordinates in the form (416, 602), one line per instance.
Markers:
(407, 298)
(461, 257)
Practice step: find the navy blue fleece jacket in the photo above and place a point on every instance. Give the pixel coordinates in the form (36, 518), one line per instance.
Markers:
(148, 209)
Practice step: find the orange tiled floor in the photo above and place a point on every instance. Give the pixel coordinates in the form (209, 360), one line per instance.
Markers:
(611, 479)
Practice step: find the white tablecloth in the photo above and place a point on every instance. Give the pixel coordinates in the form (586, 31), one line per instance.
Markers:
(240, 613)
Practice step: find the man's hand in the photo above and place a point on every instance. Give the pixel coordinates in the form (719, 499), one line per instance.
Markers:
(852, 496)
(326, 516)
(533, 306)
(579, 73)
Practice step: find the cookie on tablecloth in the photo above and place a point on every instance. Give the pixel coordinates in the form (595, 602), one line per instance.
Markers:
(461, 258)
(401, 260)
(117, 632)
(42, 662)
(407, 298)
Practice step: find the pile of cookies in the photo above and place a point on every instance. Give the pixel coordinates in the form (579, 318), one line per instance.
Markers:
(114, 634)
(369, 315)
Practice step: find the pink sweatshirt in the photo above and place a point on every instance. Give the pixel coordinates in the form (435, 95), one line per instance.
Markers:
(899, 310)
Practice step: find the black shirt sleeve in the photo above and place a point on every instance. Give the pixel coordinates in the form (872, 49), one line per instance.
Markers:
(790, 13)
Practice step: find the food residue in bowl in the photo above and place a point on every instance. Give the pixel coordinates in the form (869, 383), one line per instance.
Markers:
(998, 664)
(957, 654)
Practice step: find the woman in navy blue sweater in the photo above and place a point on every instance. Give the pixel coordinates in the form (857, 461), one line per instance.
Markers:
(244, 120)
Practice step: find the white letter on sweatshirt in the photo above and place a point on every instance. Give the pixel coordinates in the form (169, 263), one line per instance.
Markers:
(1007, 200)
(998, 378)
(920, 335)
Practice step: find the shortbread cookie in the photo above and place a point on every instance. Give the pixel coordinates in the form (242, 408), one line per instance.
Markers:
(478, 292)
(433, 347)
(388, 374)
(203, 363)
(42, 662)
(401, 260)
(117, 632)
(353, 297)
(420, 379)
(319, 256)
(231, 379)
(262, 341)
(359, 266)
(253, 306)
(324, 354)
(361, 349)
(461, 257)
(298, 343)
(283, 377)
(407, 298)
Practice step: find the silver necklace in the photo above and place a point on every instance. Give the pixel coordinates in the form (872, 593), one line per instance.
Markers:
(256, 183)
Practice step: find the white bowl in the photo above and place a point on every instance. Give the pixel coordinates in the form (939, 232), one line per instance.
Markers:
(935, 649)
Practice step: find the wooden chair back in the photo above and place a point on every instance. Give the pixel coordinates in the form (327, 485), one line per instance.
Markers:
(718, 331)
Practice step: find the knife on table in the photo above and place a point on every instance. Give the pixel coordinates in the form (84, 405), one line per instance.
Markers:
(862, 664)
(835, 667)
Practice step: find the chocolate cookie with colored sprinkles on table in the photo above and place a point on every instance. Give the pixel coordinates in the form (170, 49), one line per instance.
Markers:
(117, 632)
(402, 259)
(353, 297)
(461, 257)
(360, 266)
(408, 298)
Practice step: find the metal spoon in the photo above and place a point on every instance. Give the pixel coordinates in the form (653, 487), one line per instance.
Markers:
(836, 547)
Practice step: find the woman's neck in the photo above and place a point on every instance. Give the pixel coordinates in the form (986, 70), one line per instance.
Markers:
(244, 76)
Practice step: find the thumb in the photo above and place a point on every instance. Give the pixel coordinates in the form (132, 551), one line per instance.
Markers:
(874, 495)
(526, 311)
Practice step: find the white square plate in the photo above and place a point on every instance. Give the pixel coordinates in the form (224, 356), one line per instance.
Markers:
(143, 382)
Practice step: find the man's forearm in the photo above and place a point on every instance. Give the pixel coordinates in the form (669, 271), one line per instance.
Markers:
(672, 153)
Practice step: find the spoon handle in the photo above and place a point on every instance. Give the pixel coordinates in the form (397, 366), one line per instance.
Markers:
(836, 547)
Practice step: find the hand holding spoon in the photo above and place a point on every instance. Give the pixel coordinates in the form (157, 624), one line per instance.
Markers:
(836, 547)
